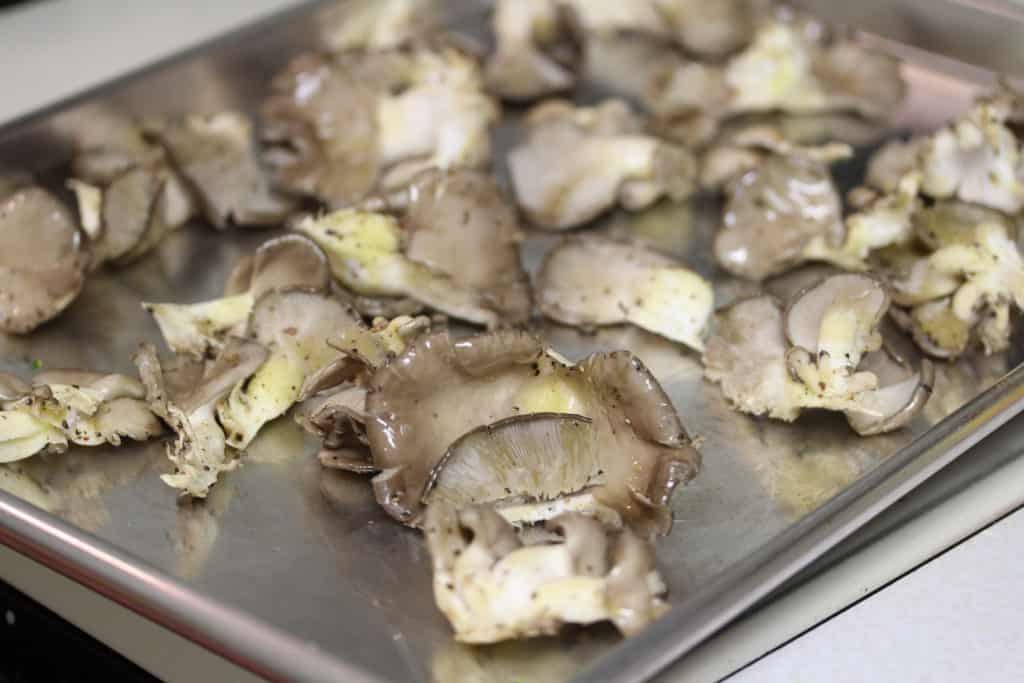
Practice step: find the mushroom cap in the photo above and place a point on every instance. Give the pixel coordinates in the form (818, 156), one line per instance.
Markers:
(438, 390)
(35, 290)
(578, 162)
(773, 212)
(320, 127)
(288, 262)
(216, 156)
(638, 286)
(459, 223)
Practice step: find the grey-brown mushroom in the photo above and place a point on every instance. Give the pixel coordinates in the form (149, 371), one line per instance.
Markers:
(638, 286)
(454, 247)
(216, 156)
(42, 259)
(774, 211)
(440, 389)
(793, 65)
(578, 162)
(200, 329)
(338, 128)
(823, 351)
(492, 587)
(537, 51)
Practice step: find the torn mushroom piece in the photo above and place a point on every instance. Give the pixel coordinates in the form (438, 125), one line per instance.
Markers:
(64, 407)
(377, 24)
(577, 162)
(42, 259)
(340, 128)
(776, 209)
(821, 352)
(216, 156)
(638, 286)
(964, 290)
(439, 390)
(287, 262)
(296, 327)
(791, 65)
(199, 451)
(538, 49)
(333, 399)
(977, 158)
(128, 197)
(372, 255)
(492, 587)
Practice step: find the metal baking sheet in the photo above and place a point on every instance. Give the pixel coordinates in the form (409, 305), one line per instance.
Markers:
(293, 571)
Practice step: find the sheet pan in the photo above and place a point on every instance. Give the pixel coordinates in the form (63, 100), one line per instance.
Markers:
(293, 571)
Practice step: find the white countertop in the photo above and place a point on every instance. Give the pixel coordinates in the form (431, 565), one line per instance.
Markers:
(955, 618)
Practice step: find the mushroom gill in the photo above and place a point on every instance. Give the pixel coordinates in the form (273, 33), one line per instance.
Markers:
(439, 390)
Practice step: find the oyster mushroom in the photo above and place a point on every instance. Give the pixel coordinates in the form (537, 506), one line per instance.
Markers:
(42, 260)
(578, 162)
(339, 129)
(885, 221)
(604, 17)
(65, 407)
(439, 390)
(891, 162)
(199, 451)
(712, 29)
(491, 587)
(977, 158)
(778, 208)
(377, 24)
(303, 332)
(791, 65)
(821, 352)
(640, 286)
(372, 255)
(287, 262)
(982, 275)
(538, 49)
(216, 156)
(129, 198)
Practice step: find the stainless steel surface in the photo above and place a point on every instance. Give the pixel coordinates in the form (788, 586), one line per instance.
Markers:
(295, 573)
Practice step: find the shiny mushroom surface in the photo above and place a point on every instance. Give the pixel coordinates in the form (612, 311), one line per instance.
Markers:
(776, 209)
(35, 290)
(440, 389)
(575, 163)
(638, 286)
(338, 128)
